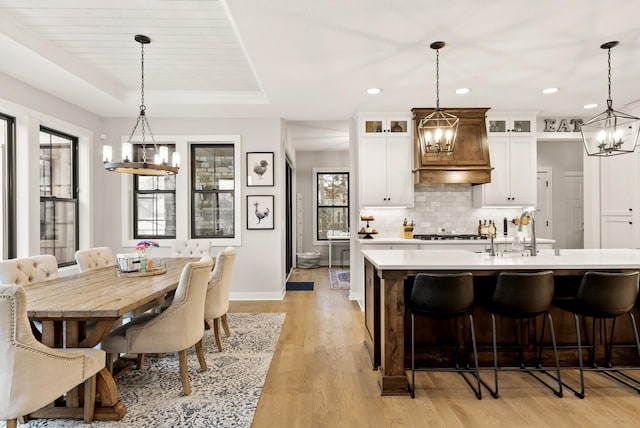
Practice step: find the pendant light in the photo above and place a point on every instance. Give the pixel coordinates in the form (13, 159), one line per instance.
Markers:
(437, 131)
(611, 132)
(160, 164)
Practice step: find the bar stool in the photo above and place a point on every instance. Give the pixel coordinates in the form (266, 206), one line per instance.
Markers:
(443, 296)
(521, 296)
(602, 296)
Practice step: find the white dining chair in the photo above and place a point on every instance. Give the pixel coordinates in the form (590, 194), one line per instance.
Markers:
(217, 301)
(94, 258)
(176, 329)
(33, 375)
(190, 247)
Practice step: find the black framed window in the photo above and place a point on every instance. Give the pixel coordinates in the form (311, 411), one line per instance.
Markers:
(332, 203)
(154, 200)
(7, 187)
(58, 195)
(213, 191)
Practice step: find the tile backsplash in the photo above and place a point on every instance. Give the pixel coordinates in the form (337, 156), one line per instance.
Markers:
(447, 206)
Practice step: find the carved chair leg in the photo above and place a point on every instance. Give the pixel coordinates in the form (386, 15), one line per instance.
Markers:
(200, 354)
(12, 423)
(208, 325)
(184, 371)
(216, 333)
(225, 325)
(89, 398)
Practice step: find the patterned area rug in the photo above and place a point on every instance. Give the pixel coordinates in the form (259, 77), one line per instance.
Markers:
(340, 279)
(224, 396)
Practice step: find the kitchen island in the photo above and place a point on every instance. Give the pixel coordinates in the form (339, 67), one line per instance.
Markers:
(389, 272)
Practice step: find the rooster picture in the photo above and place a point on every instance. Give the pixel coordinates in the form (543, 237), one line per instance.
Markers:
(260, 168)
(261, 214)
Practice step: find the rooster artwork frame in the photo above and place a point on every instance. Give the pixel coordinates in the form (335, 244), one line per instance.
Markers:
(260, 169)
(260, 212)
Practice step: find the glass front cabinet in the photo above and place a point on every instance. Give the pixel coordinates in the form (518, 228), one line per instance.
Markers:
(382, 126)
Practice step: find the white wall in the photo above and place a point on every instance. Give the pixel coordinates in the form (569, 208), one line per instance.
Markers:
(259, 269)
(305, 162)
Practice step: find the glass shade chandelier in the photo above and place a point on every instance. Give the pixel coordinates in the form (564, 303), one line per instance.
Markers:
(437, 131)
(611, 132)
(160, 164)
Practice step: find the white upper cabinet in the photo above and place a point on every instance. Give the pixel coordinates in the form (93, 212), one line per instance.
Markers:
(386, 161)
(512, 148)
(511, 124)
(385, 125)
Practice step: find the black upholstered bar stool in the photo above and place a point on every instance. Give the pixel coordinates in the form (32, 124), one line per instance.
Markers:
(443, 296)
(602, 296)
(521, 296)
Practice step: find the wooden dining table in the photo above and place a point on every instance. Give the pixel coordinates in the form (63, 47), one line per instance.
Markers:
(66, 305)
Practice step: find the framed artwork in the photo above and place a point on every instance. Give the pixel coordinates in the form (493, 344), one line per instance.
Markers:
(259, 169)
(260, 212)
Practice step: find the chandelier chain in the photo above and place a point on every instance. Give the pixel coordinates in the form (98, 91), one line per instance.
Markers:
(609, 75)
(437, 79)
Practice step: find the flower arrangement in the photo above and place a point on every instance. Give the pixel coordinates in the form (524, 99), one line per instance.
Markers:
(143, 245)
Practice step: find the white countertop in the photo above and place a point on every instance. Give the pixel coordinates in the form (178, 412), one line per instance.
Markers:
(592, 259)
(395, 241)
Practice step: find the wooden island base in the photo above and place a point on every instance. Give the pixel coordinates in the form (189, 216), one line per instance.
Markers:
(388, 341)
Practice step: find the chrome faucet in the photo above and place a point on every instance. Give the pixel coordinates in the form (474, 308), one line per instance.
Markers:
(532, 247)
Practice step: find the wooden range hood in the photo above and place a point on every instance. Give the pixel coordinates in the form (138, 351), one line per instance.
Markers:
(468, 164)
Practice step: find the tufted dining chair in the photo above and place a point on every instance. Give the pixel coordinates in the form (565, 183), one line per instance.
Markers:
(190, 247)
(27, 270)
(217, 301)
(94, 258)
(176, 329)
(33, 375)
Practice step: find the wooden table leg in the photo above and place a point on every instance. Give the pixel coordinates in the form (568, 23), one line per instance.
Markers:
(392, 377)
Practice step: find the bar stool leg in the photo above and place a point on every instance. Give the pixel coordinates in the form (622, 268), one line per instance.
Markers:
(475, 356)
(555, 353)
(580, 362)
(413, 356)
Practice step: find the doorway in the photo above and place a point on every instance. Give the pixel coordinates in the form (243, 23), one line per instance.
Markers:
(544, 208)
(288, 173)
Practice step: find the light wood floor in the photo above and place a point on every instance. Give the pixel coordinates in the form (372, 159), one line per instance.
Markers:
(320, 377)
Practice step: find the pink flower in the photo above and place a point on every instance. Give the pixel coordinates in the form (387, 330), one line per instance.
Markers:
(143, 245)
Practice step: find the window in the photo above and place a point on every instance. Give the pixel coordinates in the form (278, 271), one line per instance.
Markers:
(332, 203)
(212, 191)
(58, 195)
(154, 201)
(7, 189)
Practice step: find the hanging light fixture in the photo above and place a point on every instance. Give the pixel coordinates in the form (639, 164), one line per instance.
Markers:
(611, 132)
(437, 131)
(160, 164)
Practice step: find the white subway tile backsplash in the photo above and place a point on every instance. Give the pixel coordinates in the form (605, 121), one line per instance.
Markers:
(449, 207)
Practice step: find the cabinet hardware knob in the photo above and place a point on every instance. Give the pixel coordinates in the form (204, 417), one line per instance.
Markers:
(630, 222)
(630, 209)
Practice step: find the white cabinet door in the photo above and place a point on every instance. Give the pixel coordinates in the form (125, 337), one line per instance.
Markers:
(513, 178)
(617, 232)
(399, 175)
(522, 173)
(497, 192)
(617, 175)
(373, 171)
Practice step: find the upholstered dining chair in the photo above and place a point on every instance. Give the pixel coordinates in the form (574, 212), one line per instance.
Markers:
(94, 258)
(33, 375)
(176, 329)
(217, 301)
(28, 270)
(190, 248)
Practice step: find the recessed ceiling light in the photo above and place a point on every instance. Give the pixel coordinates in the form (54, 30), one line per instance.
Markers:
(462, 91)
(374, 91)
(588, 106)
(550, 90)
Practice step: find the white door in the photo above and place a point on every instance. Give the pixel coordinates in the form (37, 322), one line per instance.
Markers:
(544, 207)
(574, 210)
(617, 232)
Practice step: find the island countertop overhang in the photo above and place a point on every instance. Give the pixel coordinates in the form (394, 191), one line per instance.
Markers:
(580, 259)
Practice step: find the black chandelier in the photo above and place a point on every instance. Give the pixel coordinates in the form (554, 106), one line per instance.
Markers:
(611, 132)
(437, 131)
(160, 164)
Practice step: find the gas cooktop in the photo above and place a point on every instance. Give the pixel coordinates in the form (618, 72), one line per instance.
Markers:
(449, 237)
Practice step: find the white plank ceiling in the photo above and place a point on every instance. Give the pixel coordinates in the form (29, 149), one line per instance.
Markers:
(310, 60)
